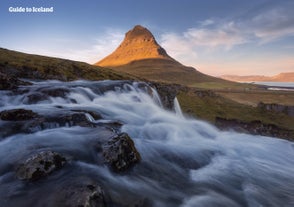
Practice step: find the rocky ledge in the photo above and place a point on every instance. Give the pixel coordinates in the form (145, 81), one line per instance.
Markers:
(254, 127)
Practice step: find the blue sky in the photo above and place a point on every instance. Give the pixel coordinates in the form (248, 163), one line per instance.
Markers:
(215, 36)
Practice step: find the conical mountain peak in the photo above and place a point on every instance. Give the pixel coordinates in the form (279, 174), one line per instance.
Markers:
(139, 33)
(138, 44)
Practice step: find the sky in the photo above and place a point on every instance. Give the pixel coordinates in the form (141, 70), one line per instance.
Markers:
(216, 37)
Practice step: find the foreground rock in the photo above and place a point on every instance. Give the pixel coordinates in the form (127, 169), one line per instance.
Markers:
(40, 165)
(167, 93)
(81, 194)
(7, 82)
(254, 127)
(120, 153)
(27, 121)
(288, 110)
(17, 115)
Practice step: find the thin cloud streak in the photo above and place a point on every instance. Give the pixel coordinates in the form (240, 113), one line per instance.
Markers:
(217, 36)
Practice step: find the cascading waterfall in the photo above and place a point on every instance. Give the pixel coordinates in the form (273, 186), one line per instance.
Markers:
(185, 162)
(177, 107)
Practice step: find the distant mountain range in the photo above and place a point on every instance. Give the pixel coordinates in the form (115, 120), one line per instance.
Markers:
(282, 77)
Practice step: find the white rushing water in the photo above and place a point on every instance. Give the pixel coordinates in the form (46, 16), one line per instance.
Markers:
(185, 162)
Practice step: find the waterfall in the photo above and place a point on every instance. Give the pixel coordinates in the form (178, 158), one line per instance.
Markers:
(177, 108)
(185, 162)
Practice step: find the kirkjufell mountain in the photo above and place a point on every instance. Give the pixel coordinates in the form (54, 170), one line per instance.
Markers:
(139, 54)
(139, 43)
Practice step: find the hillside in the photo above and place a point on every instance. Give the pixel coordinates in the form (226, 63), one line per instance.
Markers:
(204, 104)
(29, 66)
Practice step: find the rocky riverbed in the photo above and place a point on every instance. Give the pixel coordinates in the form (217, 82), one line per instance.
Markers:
(113, 143)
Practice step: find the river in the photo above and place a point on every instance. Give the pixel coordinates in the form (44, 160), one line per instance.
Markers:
(185, 162)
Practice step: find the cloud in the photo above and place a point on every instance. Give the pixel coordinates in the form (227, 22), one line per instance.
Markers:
(90, 51)
(101, 46)
(204, 39)
(260, 26)
(273, 24)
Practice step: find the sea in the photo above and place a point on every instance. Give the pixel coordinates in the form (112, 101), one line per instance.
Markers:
(276, 86)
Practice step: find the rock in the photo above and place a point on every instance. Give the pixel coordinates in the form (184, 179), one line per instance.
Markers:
(26, 121)
(94, 114)
(56, 92)
(205, 93)
(17, 115)
(86, 195)
(167, 93)
(75, 119)
(120, 153)
(8, 82)
(254, 127)
(35, 98)
(40, 165)
(288, 110)
(45, 94)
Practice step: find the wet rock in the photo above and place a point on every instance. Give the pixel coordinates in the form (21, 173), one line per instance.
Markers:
(35, 98)
(75, 119)
(56, 92)
(17, 115)
(8, 82)
(27, 121)
(254, 127)
(94, 114)
(288, 110)
(40, 165)
(167, 93)
(86, 195)
(45, 94)
(55, 121)
(120, 153)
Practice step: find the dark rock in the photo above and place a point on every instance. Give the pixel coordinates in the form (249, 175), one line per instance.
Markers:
(86, 195)
(75, 119)
(26, 121)
(8, 82)
(45, 94)
(120, 153)
(288, 110)
(17, 115)
(254, 127)
(94, 114)
(35, 98)
(205, 93)
(167, 93)
(40, 165)
(56, 92)
(54, 121)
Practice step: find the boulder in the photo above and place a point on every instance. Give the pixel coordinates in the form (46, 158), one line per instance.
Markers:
(8, 82)
(81, 194)
(120, 153)
(254, 127)
(288, 110)
(17, 115)
(167, 93)
(40, 165)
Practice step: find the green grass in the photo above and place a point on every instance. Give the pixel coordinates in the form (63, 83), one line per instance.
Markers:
(210, 107)
(254, 97)
(24, 65)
